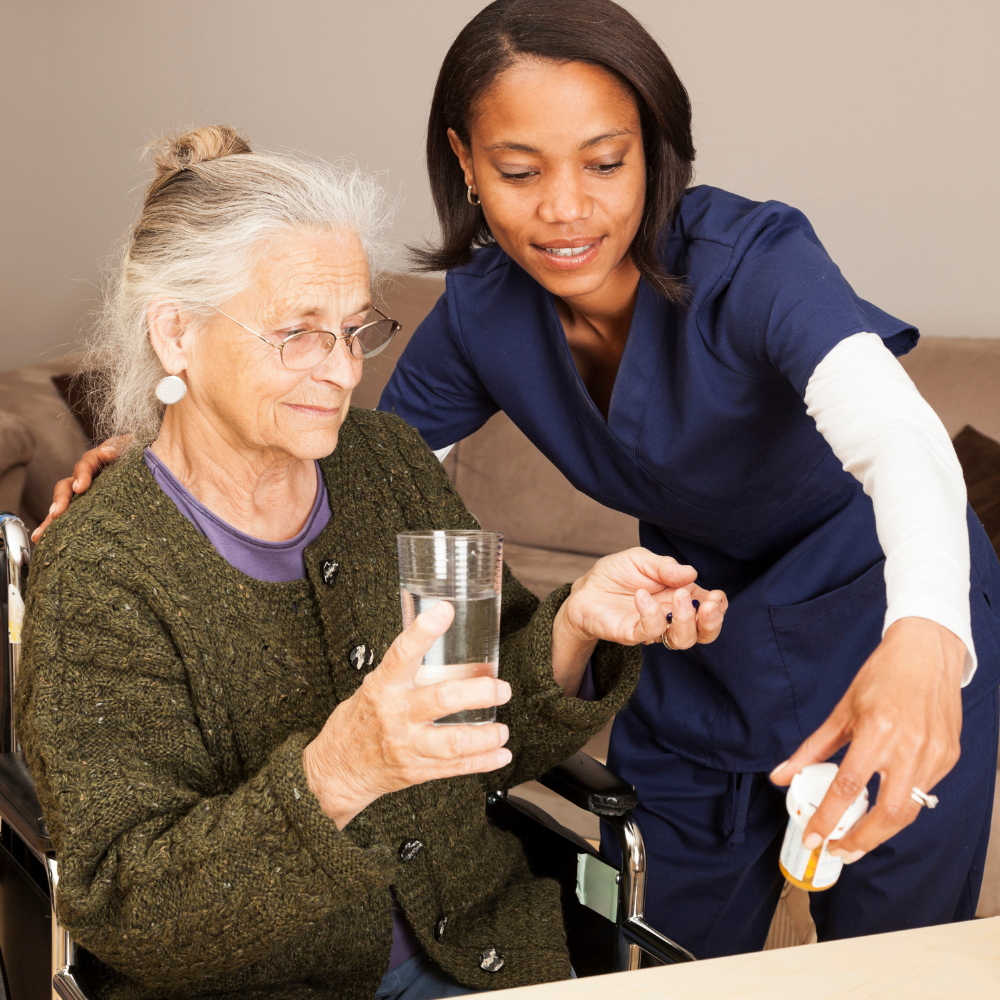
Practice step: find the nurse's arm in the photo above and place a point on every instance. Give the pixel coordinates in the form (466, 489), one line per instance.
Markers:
(902, 714)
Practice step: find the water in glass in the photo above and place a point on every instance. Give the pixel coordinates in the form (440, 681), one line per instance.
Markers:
(470, 647)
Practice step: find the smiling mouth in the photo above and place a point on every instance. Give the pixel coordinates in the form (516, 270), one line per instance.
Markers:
(568, 251)
(572, 253)
(322, 411)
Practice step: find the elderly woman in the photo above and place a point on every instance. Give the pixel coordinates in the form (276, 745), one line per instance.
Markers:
(244, 787)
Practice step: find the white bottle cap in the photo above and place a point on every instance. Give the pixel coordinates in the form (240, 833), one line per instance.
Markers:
(806, 793)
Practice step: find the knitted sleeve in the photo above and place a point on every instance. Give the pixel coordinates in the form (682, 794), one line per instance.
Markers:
(170, 871)
(545, 725)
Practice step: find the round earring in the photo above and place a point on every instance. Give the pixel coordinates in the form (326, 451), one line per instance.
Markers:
(171, 389)
(470, 195)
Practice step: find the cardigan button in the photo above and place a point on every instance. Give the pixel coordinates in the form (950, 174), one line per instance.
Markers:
(490, 960)
(328, 570)
(439, 928)
(410, 850)
(361, 656)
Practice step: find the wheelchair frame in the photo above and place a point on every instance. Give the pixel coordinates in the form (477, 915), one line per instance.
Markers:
(582, 780)
(591, 785)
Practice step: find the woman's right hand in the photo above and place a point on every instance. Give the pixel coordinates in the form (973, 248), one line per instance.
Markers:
(84, 472)
(382, 739)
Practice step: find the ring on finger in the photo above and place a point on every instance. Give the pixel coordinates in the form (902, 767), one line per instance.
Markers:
(666, 642)
(666, 632)
(924, 798)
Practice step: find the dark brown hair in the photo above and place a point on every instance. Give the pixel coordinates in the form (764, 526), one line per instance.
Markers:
(598, 32)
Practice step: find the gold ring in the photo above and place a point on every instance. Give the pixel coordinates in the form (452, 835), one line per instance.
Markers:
(666, 641)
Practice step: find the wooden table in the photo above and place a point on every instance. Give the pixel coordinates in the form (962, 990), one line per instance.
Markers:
(951, 962)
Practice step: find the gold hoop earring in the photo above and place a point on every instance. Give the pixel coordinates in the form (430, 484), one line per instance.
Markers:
(470, 195)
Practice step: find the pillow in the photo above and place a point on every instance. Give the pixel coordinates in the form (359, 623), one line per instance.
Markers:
(78, 392)
(59, 439)
(17, 446)
(979, 456)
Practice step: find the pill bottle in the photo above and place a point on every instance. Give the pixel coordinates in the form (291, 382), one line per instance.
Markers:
(817, 869)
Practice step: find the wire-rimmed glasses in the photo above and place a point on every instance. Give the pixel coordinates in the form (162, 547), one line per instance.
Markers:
(307, 349)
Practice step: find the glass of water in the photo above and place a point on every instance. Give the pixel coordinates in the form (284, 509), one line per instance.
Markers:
(464, 568)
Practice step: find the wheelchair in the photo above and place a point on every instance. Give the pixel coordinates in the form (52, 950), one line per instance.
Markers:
(603, 903)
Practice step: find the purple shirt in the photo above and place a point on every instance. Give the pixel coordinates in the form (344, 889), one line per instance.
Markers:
(273, 562)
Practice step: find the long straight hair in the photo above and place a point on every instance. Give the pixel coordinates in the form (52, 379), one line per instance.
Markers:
(598, 32)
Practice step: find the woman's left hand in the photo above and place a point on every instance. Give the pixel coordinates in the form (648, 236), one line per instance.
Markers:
(902, 716)
(626, 598)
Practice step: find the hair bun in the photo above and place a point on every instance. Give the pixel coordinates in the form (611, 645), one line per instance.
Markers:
(176, 152)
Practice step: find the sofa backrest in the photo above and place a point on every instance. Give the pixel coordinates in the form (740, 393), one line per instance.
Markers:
(960, 378)
(503, 478)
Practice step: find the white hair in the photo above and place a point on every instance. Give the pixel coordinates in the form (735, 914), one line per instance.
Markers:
(196, 239)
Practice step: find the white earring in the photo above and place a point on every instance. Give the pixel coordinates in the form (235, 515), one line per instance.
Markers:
(171, 389)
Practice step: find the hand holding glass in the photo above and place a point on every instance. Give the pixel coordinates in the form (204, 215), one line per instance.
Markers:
(464, 568)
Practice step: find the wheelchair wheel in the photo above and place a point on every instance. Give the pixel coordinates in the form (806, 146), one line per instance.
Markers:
(4, 988)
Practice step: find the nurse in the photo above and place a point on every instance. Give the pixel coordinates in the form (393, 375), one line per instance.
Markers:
(697, 360)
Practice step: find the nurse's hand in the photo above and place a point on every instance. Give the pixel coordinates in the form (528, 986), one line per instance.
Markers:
(902, 716)
(84, 473)
(625, 598)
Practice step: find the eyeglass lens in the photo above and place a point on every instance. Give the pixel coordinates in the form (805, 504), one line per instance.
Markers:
(307, 350)
(376, 337)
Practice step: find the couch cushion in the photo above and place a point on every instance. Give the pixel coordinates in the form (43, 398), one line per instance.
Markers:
(17, 445)
(59, 439)
(542, 570)
(512, 487)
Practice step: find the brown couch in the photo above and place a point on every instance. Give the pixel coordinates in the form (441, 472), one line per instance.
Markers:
(552, 532)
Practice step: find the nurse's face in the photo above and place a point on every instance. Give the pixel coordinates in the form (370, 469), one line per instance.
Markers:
(557, 161)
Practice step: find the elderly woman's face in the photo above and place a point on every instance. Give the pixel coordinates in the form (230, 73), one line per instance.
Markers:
(304, 281)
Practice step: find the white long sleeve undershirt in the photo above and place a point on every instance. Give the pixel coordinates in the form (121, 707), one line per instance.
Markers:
(888, 437)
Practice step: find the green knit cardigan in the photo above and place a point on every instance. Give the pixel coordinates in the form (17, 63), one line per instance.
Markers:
(164, 702)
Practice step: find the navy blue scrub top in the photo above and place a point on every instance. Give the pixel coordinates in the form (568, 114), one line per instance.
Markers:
(708, 444)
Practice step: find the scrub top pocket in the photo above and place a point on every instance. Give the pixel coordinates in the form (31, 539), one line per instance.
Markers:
(823, 640)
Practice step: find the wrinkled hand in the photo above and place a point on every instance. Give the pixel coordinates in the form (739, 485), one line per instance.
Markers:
(382, 738)
(627, 596)
(902, 716)
(84, 473)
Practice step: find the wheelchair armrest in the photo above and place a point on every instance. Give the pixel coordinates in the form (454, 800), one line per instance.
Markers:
(587, 783)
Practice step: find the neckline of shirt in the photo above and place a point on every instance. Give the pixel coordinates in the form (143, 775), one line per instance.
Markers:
(223, 525)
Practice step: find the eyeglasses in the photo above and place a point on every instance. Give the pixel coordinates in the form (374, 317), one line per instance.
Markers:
(307, 349)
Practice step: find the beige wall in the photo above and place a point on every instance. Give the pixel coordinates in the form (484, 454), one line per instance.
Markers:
(877, 117)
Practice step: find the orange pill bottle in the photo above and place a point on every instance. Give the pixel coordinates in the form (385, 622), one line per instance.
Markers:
(816, 869)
